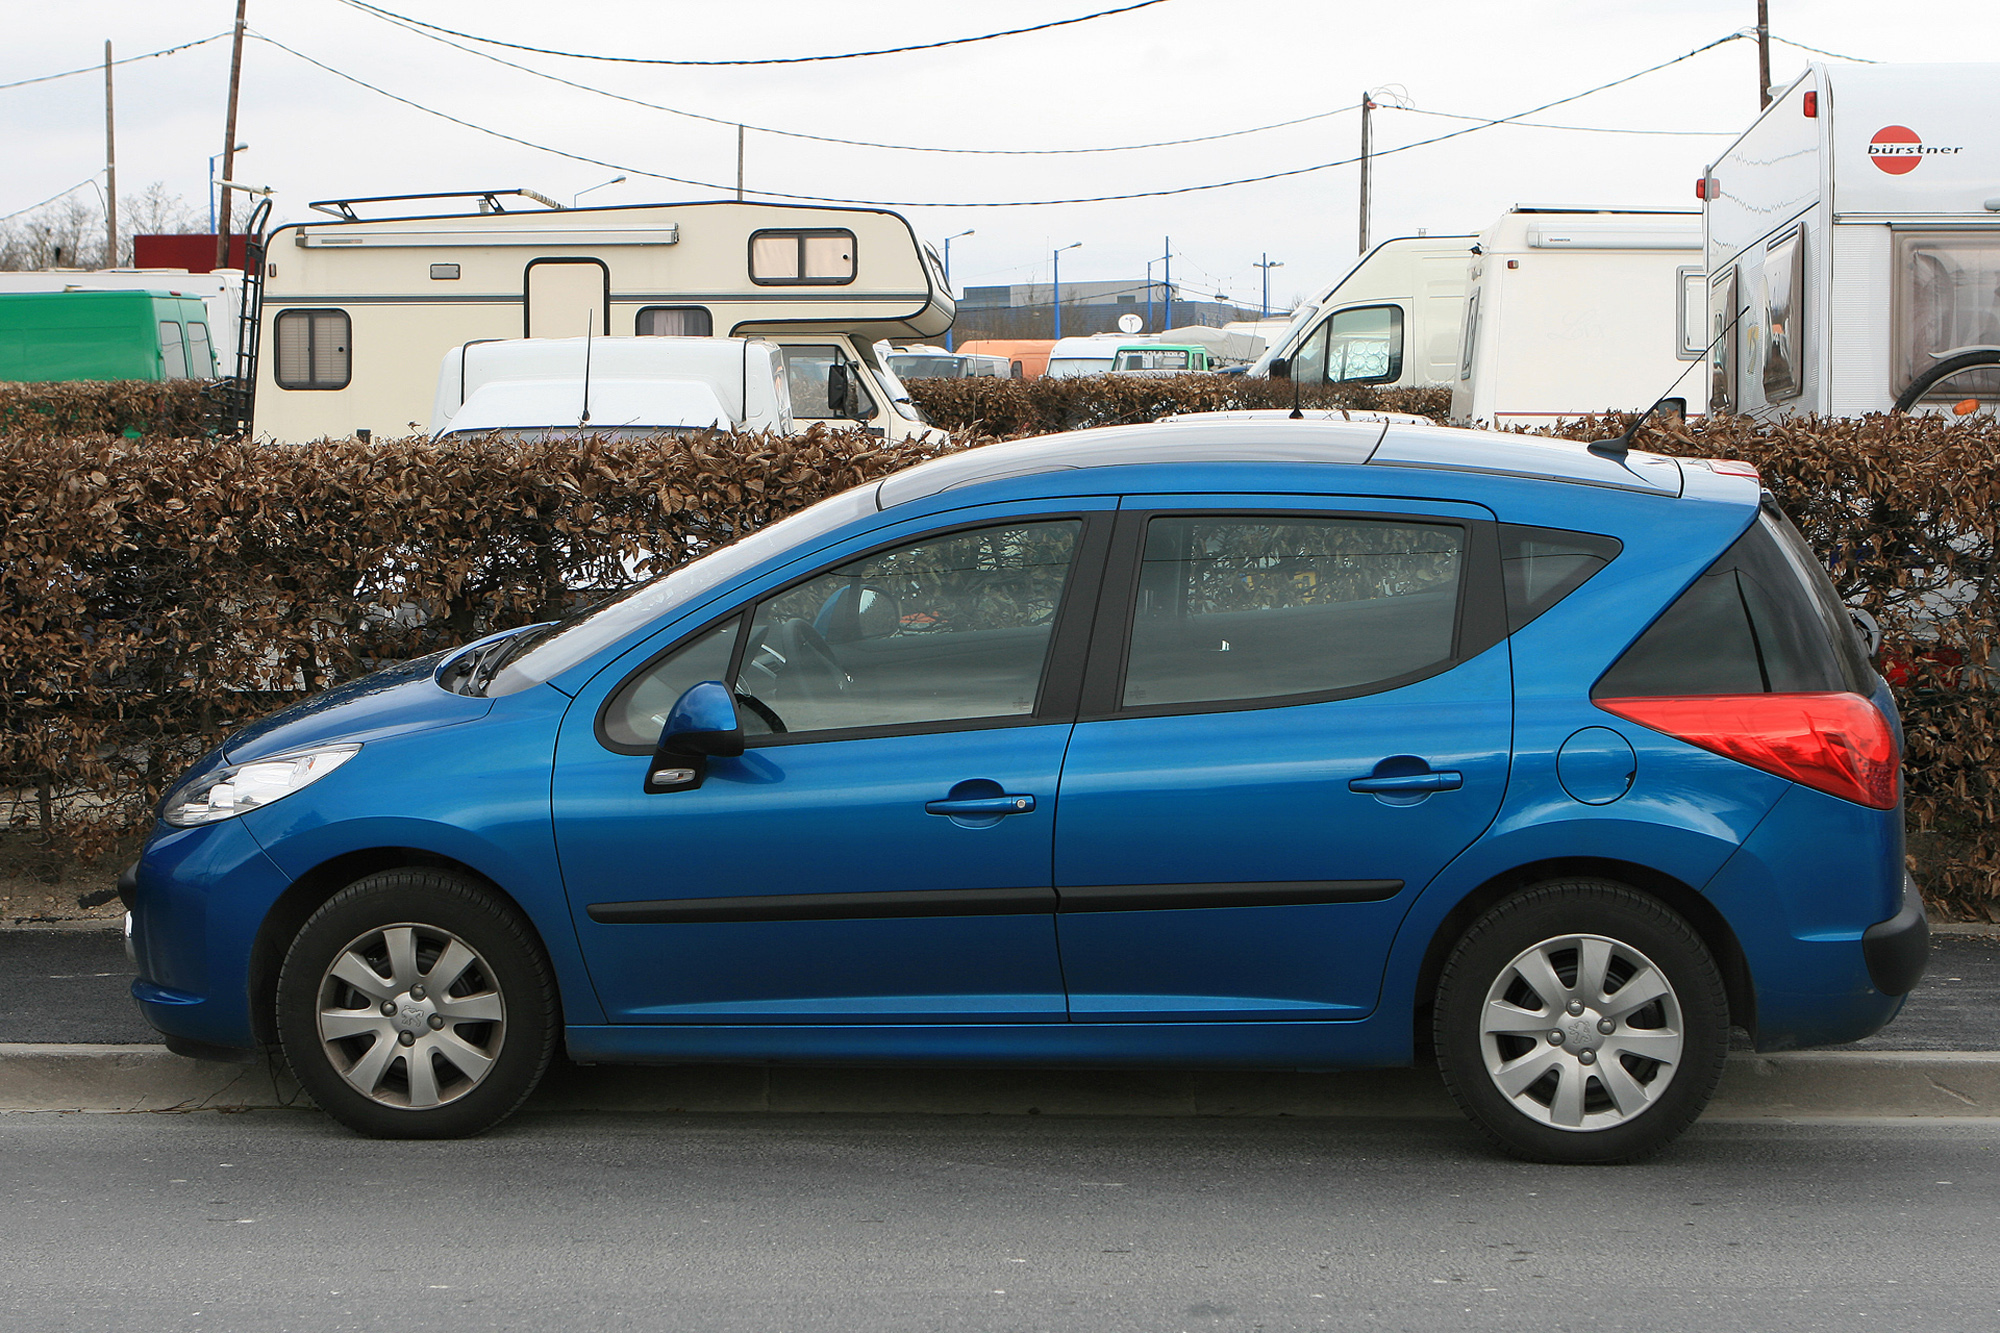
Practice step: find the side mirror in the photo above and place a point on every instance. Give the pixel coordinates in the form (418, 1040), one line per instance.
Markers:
(839, 396)
(701, 725)
(1281, 368)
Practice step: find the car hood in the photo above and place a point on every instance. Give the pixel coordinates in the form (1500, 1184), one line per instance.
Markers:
(395, 700)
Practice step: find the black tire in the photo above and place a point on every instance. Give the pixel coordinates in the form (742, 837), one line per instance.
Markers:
(1940, 372)
(436, 1066)
(1596, 1073)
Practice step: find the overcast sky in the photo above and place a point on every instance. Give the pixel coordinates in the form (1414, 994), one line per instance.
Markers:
(1174, 70)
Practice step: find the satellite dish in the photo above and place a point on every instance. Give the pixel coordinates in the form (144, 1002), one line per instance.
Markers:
(1130, 323)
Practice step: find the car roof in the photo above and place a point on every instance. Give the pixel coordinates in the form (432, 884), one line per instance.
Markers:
(1281, 440)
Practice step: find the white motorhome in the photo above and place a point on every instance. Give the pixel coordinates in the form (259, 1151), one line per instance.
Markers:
(1392, 320)
(221, 292)
(1573, 311)
(526, 387)
(357, 312)
(1853, 245)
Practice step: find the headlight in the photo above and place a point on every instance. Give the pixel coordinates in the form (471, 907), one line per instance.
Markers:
(241, 788)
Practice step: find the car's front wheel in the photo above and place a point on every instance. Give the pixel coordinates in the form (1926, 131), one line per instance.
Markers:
(414, 1004)
(1581, 1021)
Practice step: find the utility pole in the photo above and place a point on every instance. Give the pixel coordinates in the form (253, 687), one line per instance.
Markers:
(110, 171)
(1763, 54)
(229, 143)
(1167, 254)
(1368, 106)
(739, 164)
(948, 340)
(1055, 282)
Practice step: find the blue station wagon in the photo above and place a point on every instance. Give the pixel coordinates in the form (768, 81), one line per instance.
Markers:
(1230, 742)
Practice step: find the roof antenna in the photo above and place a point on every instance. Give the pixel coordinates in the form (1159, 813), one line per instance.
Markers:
(1296, 414)
(589, 323)
(1618, 446)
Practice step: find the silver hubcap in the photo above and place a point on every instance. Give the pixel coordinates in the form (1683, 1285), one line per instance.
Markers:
(410, 1016)
(1581, 1032)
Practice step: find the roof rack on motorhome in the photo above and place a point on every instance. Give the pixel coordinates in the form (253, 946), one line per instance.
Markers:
(489, 202)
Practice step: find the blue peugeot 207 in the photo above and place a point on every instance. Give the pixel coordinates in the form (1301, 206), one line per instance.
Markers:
(1228, 742)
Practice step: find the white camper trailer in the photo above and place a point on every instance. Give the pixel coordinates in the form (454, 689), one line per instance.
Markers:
(1573, 311)
(527, 387)
(356, 312)
(1391, 321)
(1853, 245)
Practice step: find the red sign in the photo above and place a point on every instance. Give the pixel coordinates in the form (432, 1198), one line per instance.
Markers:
(1897, 149)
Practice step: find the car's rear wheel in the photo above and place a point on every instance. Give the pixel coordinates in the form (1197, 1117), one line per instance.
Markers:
(414, 1004)
(1581, 1021)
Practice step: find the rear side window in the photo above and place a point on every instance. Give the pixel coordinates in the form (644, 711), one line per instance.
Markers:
(173, 356)
(1541, 566)
(1756, 622)
(201, 359)
(674, 321)
(1250, 607)
(802, 258)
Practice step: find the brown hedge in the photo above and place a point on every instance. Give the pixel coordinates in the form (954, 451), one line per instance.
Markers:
(114, 407)
(1007, 409)
(153, 595)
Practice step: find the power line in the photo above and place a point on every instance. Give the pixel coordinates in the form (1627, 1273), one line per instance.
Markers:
(777, 60)
(999, 203)
(92, 180)
(1532, 125)
(1859, 60)
(98, 68)
(420, 31)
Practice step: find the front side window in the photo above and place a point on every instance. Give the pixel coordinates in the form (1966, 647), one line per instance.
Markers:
(1947, 296)
(639, 710)
(952, 628)
(824, 258)
(173, 356)
(313, 349)
(1235, 608)
(806, 372)
(674, 321)
(1365, 346)
(1784, 314)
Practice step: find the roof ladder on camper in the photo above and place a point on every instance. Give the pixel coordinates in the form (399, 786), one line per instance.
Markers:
(232, 400)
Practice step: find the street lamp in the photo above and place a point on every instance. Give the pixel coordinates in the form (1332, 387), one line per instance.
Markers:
(211, 185)
(947, 277)
(1055, 280)
(600, 185)
(1267, 265)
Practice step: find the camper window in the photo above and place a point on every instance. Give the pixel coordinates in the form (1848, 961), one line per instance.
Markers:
(173, 356)
(1723, 336)
(806, 374)
(1947, 296)
(1784, 285)
(819, 258)
(674, 321)
(1471, 336)
(313, 349)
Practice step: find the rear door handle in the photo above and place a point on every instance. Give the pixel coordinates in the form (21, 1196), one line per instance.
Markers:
(982, 805)
(1446, 780)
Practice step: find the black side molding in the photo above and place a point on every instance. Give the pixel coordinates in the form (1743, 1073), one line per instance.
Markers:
(1897, 950)
(1261, 893)
(830, 906)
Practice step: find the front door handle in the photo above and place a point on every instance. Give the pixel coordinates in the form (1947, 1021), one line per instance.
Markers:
(1003, 804)
(1446, 780)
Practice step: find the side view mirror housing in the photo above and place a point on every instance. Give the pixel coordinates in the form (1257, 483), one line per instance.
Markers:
(701, 725)
(839, 395)
(1281, 368)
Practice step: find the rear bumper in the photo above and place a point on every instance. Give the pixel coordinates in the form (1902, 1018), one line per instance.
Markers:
(1897, 950)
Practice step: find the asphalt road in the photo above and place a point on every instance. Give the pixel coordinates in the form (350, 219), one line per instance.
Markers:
(278, 1220)
(75, 986)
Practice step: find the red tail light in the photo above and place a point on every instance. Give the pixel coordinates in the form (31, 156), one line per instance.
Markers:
(1836, 743)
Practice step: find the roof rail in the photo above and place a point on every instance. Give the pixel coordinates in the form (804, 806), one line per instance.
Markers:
(489, 201)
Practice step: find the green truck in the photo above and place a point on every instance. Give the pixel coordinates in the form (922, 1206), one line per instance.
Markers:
(101, 335)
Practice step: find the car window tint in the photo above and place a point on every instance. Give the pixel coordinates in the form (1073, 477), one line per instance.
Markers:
(1541, 566)
(953, 627)
(640, 708)
(1250, 608)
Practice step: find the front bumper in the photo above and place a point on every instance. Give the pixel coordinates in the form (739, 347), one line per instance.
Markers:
(1897, 950)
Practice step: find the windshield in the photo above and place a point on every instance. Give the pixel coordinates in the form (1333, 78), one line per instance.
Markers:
(1078, 365)
(898, 393)
(1284, 340)
(556, 434)
(541, 654)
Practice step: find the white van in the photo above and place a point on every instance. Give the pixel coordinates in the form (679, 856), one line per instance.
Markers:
(1392, 320)
(1853, 245)
(1573, 311)
(357, 312)
(526, 387)
(1085, 356)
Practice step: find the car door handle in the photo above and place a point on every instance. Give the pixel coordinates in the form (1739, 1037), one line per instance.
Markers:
(1446, 780)
(982, 805)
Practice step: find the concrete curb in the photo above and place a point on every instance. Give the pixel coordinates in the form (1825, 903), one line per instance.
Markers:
(1803, 1084)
